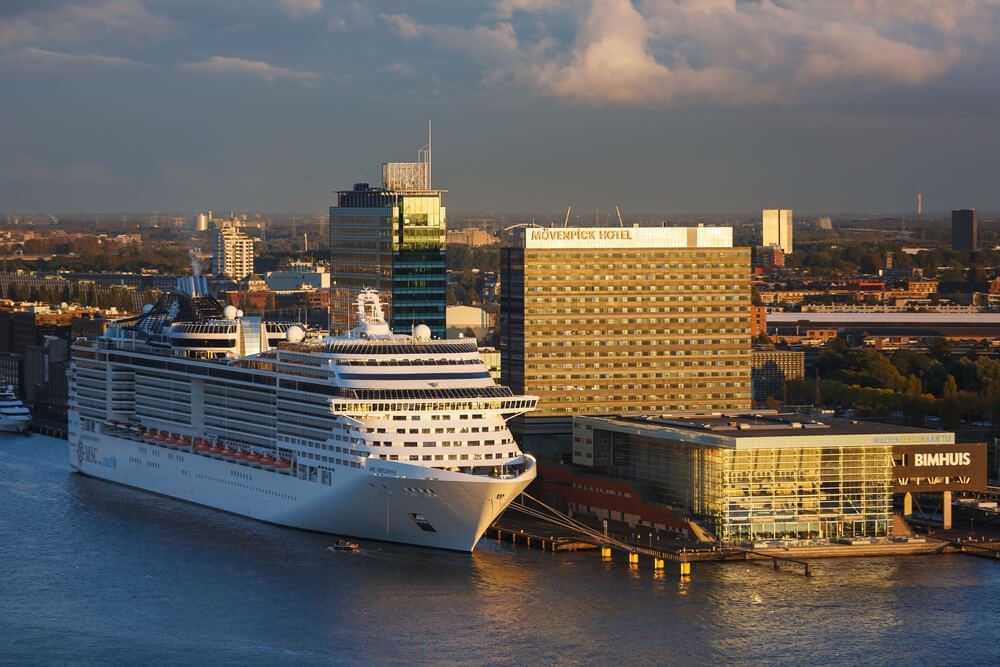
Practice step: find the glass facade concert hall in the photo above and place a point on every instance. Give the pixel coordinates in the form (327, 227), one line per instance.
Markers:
(759, 476)
(393, 241)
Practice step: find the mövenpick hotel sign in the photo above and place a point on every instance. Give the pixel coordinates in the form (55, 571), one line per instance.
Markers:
(628, 237)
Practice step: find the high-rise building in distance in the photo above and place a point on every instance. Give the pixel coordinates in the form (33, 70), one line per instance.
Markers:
(615, 320)
(777, 228)
(232, 251)
(964, 229)
(392, 239)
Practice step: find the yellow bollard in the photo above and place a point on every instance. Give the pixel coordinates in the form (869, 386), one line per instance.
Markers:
(633, 558)
(605, 553)
(685, 569)
(658, 564)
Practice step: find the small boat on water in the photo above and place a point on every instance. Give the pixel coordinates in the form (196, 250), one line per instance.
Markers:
(344, 545)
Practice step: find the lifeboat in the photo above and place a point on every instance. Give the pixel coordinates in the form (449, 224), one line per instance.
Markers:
(240, 454)
(267, 460)
(282, 463)
(253, 457)
(203, 446)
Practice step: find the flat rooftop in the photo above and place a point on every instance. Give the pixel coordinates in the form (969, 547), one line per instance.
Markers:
(887, 319)
(759, 429)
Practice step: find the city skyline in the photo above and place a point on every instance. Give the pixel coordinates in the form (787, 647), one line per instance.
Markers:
(273, 105)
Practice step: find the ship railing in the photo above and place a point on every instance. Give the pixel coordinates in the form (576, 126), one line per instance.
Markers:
(506, 406)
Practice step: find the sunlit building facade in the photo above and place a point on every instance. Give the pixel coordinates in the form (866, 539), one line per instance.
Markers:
(777, 228)
(749, 477)
(232, 252)
(391, 239)
(619, 320)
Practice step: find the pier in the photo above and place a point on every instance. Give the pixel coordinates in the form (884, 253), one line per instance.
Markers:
(539, 526)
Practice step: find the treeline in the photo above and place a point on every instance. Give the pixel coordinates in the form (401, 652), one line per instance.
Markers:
(466, 284)
(940, 383)
(122, 297)
(164, 257)
(848, 259)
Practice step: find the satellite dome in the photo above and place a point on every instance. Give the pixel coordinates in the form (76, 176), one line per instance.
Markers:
(230, 312)
(422, 332)
(294, 334)
(148, 307)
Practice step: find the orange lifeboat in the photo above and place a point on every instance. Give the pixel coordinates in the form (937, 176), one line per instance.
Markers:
(282, 463)
(267, 460)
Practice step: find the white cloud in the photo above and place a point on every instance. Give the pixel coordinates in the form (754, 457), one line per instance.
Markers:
(727, 52)
(487, 43)
(81, 21)
(507, 8)
(299, 8)
(256, 68)
(611, 61)
(32, 56)
(403, 25)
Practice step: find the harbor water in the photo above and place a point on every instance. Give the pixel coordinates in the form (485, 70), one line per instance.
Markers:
(92, 573)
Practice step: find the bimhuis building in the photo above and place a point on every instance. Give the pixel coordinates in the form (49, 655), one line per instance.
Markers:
(622, 320)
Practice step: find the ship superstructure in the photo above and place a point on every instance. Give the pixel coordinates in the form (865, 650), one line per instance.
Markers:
(378, 435)
(14, 416)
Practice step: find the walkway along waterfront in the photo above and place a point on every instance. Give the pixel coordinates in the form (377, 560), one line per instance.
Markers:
(547, 529)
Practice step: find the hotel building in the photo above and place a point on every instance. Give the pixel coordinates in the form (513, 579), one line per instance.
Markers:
(772, 369)
(623, 320)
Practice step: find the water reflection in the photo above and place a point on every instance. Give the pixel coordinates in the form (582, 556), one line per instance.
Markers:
(90, 569)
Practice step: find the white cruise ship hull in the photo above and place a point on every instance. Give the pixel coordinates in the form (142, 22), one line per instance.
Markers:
(450, 511)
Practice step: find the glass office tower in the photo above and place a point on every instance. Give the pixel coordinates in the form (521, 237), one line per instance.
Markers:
(391, 239)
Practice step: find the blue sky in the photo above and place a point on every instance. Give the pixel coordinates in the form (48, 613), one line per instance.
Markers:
(662, 106)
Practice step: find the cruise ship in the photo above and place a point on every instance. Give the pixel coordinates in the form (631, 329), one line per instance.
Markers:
(377, 435)
(14, 416)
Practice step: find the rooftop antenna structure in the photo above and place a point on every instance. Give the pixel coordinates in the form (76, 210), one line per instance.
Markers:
(566, 219)
(424, 157)
(620, 222)
(920, 204)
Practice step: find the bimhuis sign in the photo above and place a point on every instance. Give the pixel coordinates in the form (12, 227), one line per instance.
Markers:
(948, 467)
